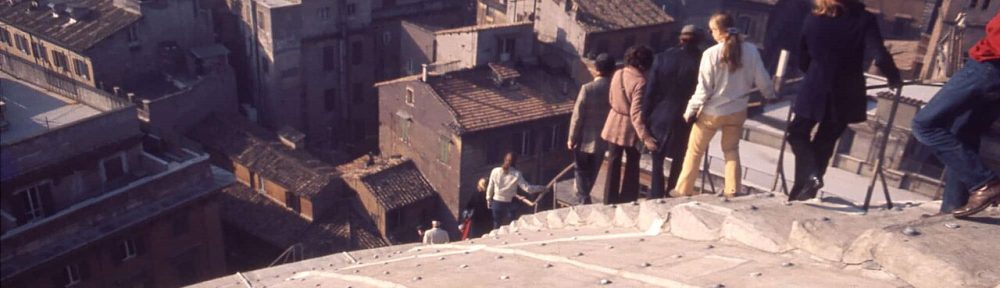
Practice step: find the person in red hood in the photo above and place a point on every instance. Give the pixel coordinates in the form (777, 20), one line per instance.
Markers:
(953, 122)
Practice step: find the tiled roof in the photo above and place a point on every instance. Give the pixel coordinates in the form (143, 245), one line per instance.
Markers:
(606, 15)
(479, 104)
(258, 215)
(475, 28)
(260, 151)
(396, 182)
(103, 21)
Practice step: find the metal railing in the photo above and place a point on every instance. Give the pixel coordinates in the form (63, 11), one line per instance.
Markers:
(549, 188)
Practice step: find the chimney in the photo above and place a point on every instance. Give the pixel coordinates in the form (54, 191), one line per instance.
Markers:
(423, 73)
(116, 90)
(131, 97)
(292, 138)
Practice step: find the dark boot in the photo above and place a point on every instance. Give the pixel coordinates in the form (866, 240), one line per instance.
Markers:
(809, 189)
(980, 199)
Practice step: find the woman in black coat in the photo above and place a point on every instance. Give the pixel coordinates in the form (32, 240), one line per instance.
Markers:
(836, 38)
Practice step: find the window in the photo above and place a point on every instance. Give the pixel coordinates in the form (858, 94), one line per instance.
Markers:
(409, 98)
(82, 69)
(22, 44)
(386, 37)
(358, 53)
(180, 224)
(130, 249)
(351, 9)
(40, 52)
(292, 201)
(324, 13)
(5, 36)
(329, 58)
(523, 143)
(547, 138)
(444, 149)
(132, 35)
(35, 199)
(745, 24)
(72, 274)
(113, 168)
(330, 99)
(507, 48)
(560, 135)
(60, 60)
(258, 183)
(986, 5)
(404, 129)
(358, 96)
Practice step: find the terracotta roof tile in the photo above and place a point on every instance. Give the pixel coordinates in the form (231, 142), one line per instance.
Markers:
(396, 182)
(606, 15)
(480, 104)
(259, 150)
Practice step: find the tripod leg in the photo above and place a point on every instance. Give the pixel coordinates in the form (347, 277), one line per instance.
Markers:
(885, 189)
(708, 173)
(871, 187)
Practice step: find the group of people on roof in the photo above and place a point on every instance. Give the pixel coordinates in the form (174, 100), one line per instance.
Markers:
(674, 102)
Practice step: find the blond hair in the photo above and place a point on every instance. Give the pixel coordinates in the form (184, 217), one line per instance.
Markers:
(830, 8)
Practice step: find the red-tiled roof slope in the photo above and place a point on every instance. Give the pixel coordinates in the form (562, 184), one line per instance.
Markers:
(480, 104)
(606, 15)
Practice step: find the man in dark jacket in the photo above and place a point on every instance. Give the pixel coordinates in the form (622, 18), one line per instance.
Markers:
(585, 126)
(835, 41)
(674, 81)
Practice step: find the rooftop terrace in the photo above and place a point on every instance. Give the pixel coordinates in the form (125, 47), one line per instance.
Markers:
(32, 111)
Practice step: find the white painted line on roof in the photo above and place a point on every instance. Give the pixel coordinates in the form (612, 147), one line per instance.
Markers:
(349, 278)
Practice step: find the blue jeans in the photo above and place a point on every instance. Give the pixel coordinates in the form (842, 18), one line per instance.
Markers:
(952, 124)
(503, 213)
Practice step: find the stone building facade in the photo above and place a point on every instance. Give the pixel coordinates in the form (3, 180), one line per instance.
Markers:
(456, 126)
(90, 201)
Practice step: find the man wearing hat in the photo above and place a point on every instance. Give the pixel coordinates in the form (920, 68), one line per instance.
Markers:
(585, 126)
(674, 79)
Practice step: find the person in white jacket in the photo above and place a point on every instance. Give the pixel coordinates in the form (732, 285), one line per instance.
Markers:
(502, 189)
(726, 77)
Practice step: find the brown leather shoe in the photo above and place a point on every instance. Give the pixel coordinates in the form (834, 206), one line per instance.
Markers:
(980, 200)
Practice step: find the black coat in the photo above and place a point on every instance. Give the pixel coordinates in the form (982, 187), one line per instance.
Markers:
(834, 50)
(675, 77)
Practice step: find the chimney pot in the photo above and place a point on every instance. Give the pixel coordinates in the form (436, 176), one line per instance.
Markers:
(423, 74)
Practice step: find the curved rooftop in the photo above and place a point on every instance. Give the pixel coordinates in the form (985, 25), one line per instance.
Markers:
(755, 241)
